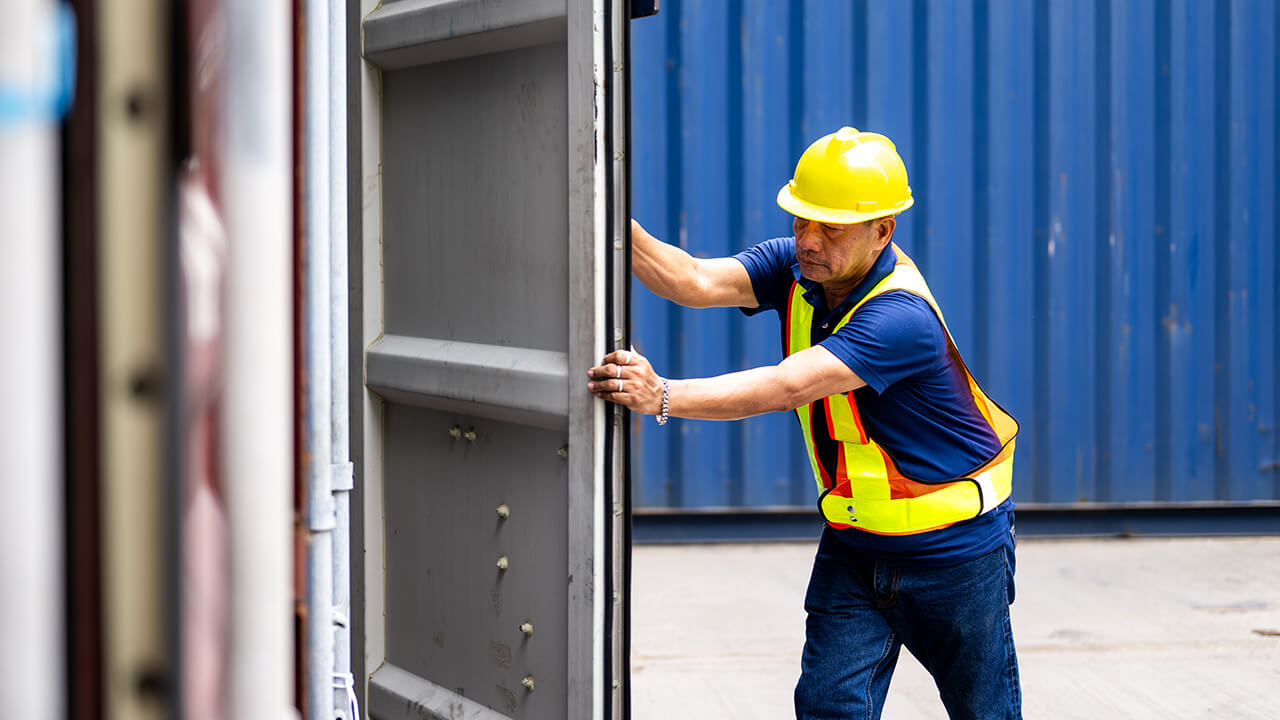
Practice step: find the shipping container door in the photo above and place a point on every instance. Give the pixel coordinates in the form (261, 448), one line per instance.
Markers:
(491, 239)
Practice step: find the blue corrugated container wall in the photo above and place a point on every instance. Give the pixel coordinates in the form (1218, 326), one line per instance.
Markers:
(1096, 199)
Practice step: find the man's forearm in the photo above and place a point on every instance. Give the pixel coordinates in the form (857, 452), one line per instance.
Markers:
(627, 378)
(733, 396)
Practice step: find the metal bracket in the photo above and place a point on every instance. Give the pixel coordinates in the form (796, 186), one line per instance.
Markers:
(323, 516)
(344, 476)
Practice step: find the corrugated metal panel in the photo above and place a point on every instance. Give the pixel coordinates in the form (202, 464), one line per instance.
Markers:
(1096, 192)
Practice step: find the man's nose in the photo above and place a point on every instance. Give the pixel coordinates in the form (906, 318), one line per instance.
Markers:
(807, 239)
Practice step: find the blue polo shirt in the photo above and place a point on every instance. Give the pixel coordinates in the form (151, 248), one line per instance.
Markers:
(916, 403)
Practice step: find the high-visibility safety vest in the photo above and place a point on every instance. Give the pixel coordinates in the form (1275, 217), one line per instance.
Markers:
(868, 491)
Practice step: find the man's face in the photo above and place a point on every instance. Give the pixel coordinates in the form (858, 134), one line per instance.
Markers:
(830, 253)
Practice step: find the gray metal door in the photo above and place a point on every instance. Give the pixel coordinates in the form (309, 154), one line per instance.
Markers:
(493, 277)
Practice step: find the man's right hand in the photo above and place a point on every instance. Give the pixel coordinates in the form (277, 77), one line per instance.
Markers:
(626, 377)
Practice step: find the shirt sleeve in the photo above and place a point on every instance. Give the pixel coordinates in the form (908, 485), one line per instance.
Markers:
(769, 264)
(891, 337)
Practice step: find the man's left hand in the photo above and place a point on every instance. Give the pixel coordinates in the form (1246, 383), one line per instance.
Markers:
(626, 377)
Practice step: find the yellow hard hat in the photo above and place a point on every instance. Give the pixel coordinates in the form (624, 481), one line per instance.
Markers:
(847, 177)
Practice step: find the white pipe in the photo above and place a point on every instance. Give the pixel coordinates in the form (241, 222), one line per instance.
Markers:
(318, 378)
(31, 607)
(343, 695)
(257, 401)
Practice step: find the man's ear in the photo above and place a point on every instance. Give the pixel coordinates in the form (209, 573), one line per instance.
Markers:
(884, 229)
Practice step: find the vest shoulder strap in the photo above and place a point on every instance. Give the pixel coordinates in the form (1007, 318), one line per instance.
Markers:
(905, 276)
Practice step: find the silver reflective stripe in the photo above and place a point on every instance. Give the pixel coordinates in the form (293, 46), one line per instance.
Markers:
(988, 487)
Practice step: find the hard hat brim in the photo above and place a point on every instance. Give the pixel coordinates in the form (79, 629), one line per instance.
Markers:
(809, 211)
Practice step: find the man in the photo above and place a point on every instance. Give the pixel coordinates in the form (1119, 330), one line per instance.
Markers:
(912, 460)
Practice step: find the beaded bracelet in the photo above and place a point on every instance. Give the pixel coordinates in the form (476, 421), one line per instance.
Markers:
(666, 390)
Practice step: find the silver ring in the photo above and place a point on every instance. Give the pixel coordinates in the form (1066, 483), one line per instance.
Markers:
(619, 370)
(620, 381)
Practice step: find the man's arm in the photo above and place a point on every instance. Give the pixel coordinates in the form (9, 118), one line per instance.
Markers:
(676, 275)
(801, 378)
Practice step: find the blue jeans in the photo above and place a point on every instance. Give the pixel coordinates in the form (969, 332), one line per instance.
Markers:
(954, 620)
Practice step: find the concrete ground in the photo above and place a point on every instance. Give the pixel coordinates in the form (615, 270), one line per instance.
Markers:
(1138, 628)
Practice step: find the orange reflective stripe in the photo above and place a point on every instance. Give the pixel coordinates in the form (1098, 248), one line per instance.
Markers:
(826, 407)
(857, 418)
(980, 400)
(842, 471)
